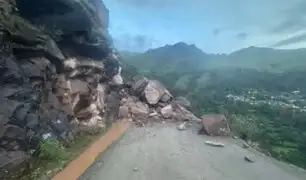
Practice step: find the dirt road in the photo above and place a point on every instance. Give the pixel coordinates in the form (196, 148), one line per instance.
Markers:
(162, 152)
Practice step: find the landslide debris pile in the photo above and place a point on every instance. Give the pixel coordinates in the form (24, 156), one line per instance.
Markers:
(149, 100)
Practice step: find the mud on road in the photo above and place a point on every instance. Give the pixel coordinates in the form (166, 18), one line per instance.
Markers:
(162, 152)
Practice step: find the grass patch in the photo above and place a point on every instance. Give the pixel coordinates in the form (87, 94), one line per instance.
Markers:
(283, 150)
(54, 157)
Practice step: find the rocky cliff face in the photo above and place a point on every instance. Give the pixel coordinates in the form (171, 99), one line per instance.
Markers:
(57, 69)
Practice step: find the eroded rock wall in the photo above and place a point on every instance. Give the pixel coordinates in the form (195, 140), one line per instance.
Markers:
(59, 76)
(57, 67)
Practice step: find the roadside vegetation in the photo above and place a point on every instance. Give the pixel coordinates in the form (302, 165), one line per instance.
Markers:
(53, 156)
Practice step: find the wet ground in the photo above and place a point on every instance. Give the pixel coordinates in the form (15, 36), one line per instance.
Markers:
(162, 152)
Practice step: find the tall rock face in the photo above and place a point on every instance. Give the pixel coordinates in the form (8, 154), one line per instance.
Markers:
(57, 65)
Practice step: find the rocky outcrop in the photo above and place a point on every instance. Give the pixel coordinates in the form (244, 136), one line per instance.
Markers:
(57, 70)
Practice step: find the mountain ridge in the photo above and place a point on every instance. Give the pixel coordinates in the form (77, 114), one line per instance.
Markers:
(194, 59)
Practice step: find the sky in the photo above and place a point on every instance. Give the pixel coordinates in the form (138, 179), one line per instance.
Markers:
(215, 26)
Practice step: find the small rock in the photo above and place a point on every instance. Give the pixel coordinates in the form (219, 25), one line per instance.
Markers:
(182, 127)
(100, 164)
(248, 159)
(245, 145)
(235, 137)
(153, 114)
(135, 169)
(215, 144)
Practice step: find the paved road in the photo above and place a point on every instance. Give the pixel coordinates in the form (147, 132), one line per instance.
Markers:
(161, 152)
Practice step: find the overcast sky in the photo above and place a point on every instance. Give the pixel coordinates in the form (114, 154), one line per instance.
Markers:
(215, 26)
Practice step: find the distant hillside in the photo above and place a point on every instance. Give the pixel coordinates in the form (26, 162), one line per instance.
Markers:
(178, 57)
(265, 59)
(188, 58)
(262, 90)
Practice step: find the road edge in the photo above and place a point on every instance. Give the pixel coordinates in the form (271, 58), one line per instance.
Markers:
(77, 167)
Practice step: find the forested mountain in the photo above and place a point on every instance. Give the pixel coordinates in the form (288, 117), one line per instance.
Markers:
(175, 57)
(261, 90)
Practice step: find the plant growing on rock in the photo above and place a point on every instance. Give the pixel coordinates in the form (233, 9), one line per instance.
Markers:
(52, 150)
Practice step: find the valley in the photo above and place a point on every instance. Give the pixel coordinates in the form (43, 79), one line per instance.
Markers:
(261, 90)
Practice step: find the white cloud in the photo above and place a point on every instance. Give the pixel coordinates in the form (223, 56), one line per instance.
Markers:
(213, 25)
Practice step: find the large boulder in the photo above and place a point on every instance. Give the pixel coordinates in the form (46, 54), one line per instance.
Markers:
(215, 125)
(139, 86)
(155, 91)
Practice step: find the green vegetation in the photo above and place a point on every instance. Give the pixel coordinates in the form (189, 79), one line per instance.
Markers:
(54, 156)
(52, 150)
(261, 90)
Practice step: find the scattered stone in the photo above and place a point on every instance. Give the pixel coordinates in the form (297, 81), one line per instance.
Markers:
(167, 111)
(215, 144)
(100, 164)
(182, 126)
(245, 145)
(153, 114)
(135, 169)
(248, 159)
